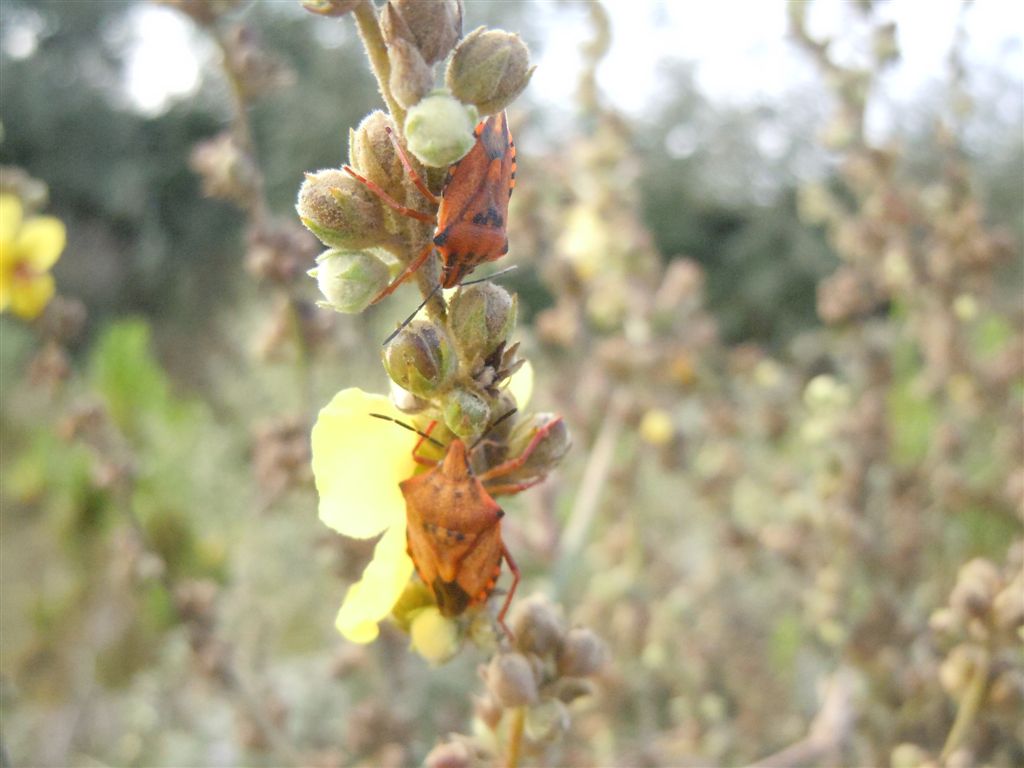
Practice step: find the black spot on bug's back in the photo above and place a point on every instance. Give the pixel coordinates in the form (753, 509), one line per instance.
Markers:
(441, 238)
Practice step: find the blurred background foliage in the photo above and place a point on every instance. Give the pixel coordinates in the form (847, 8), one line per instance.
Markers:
(158, 502)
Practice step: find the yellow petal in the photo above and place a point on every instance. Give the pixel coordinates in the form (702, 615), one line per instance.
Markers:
(358, 462)
(40, 241)
(521, 385)
(10, 217)
(29, 297)
(433, 636)
(371, 599)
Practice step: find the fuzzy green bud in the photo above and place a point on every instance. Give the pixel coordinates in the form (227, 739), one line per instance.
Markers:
(349, 280)
(481, 317)
(439, 129)
(420, 359)
(433, 28)
(372, 153)
(340, 211)
(489, 69)
(465, 413)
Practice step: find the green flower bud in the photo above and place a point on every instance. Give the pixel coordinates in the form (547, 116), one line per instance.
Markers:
(432, 27)
(411, 77)
(340, 210)
(511, 681)
(465, 413)
(481, 317)
(349, 280)
(489, 69)
(546, 455)
(439, 129)
(420, 359)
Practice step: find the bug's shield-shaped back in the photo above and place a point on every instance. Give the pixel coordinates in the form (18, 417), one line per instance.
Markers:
(454, 532)
(474, 207)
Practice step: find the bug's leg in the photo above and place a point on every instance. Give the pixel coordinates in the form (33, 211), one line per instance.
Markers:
(415, 451)
(508, 489)
(513, 464)
(511, 591)
(409, 169)
(404, 275)
(387, 199)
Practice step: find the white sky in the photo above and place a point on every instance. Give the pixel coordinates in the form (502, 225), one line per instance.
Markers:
(739, 46)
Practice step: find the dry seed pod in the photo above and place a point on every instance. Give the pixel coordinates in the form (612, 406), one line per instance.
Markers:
(537, 627)
(411, 77)
(583, 654)
(511, 681)
(432, 27)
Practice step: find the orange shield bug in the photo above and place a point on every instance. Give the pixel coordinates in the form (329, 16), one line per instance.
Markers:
(453, 524)
(472, 209)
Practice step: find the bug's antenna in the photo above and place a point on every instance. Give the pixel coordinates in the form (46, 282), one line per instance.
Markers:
(411, 428)
(495, 423)
(499, 273)
(408, 320)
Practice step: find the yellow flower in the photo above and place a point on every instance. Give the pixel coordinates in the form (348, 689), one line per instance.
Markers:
(358, 462)
(27, 251)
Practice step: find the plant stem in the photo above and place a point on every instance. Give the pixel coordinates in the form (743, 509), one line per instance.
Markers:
(592, 484)
(377, 51)
(515, 737)
(241, 127)
(970, 703)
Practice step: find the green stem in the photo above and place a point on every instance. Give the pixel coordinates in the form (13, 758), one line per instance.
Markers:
(515, 737)
(377, 51)
(970, 704)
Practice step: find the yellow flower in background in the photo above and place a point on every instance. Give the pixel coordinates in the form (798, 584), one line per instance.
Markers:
(358, 462)
(28, 249)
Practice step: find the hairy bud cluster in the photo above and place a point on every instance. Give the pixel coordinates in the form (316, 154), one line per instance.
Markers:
(458, 363)
(545, 672)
